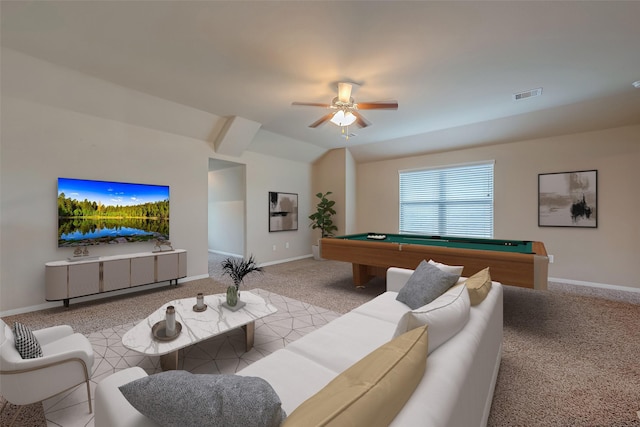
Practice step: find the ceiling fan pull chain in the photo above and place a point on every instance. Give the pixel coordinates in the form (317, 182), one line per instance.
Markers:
(346, 135)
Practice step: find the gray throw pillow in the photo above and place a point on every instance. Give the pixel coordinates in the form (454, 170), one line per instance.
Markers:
(426, 284)
(180, 398)
(26, 343)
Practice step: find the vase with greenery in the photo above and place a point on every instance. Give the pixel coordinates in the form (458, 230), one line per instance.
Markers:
(322, 218)
(237, 269)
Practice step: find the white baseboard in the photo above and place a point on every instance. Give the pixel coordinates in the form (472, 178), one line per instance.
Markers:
(264, 264)
(191, 278)
(595, 285)
(52, 304)
(224, 253)
(281, 261)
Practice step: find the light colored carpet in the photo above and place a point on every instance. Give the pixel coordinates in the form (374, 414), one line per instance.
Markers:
(30, 415)
(570, 356)
(224, 354)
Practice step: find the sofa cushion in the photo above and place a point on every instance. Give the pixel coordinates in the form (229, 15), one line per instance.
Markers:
(383, 307)
(372, 391)
(453, 269)
(294, 377)
(426, 284)
(446, 316)
(479, 286)
(26, 343)
(111, 408)
(179, 398)
(345, 340)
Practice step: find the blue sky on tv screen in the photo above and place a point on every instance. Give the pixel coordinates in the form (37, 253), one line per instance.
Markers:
(112, 193)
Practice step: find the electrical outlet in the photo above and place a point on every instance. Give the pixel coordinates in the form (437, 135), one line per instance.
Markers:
(550, 259)
(274, 247)
(286, 245)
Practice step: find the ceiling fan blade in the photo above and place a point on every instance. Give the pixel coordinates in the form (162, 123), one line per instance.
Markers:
(386, 105)
(321, 120)
(360, 120)
(344, 92)
(311, 104)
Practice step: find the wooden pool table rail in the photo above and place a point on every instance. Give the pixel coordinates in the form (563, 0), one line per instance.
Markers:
(373, 258)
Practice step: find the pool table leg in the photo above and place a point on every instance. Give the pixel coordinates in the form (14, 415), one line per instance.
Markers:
(362, 274)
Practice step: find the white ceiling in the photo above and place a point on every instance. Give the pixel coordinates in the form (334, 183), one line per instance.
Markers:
(452, 66)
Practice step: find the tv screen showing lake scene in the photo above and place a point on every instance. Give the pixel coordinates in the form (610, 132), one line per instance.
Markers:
(104, 212)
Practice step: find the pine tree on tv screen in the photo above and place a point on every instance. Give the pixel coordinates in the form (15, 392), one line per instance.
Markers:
(104, 212)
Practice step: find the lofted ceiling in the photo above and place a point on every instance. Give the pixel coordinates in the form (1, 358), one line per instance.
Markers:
(452, 66)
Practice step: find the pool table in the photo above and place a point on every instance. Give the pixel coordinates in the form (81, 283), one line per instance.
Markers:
(512, 262)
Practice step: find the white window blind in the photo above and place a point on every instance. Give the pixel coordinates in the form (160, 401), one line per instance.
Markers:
(448, 201)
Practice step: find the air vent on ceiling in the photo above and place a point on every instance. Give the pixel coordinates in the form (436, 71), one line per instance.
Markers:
(527, 94)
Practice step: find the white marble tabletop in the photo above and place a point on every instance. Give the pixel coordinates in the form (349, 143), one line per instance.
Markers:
(196, 326)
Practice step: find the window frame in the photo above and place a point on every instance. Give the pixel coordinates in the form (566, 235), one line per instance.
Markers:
(442, 203)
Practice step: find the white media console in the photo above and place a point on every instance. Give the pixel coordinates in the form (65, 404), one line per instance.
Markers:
(93, 275)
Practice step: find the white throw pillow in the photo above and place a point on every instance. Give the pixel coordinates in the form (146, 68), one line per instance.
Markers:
(453, 269)
(446, 316)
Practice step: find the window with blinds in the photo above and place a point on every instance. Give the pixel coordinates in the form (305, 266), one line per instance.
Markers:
(448, 201)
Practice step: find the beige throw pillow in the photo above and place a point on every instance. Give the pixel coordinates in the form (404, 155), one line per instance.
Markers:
(479, 286)
(372, 391)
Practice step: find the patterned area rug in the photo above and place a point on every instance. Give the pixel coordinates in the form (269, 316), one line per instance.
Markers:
(224, 354)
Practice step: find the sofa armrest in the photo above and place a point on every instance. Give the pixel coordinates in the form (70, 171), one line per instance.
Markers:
(112, 409)
(397, 278)
(52, 333)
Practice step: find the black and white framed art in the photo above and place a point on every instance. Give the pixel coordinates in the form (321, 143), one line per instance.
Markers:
(568, 199)
(283, 211)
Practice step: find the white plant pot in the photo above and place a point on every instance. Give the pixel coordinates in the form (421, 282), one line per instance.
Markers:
(315, 250)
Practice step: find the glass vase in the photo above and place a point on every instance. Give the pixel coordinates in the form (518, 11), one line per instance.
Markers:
(232, 296)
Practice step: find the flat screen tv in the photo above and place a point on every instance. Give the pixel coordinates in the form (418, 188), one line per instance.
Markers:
(105, 212)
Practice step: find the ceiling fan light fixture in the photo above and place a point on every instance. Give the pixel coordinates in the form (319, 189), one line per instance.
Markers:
(341, 118)
(344, 92)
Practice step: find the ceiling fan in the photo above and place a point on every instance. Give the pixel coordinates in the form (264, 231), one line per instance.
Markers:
(344, 110)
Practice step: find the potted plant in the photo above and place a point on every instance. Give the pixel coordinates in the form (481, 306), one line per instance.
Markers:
(237, 269)
(322, 218)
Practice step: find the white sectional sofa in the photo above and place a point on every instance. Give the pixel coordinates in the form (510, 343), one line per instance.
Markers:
(455, 390)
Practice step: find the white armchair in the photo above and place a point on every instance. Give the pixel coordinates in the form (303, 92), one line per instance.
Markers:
(66, 363)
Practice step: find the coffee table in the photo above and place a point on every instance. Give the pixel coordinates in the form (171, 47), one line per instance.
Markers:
(196, 326)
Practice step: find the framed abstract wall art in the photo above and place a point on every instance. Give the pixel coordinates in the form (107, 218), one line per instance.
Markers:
(568, 199)
(283, 211)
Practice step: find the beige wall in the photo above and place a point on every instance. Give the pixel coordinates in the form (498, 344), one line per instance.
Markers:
(351, 180)
(41, 143)
(56, 122)
(335, 171)
(273, 174)
(608, 255)
(330, 174)
(59, 123)
(227, 188)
